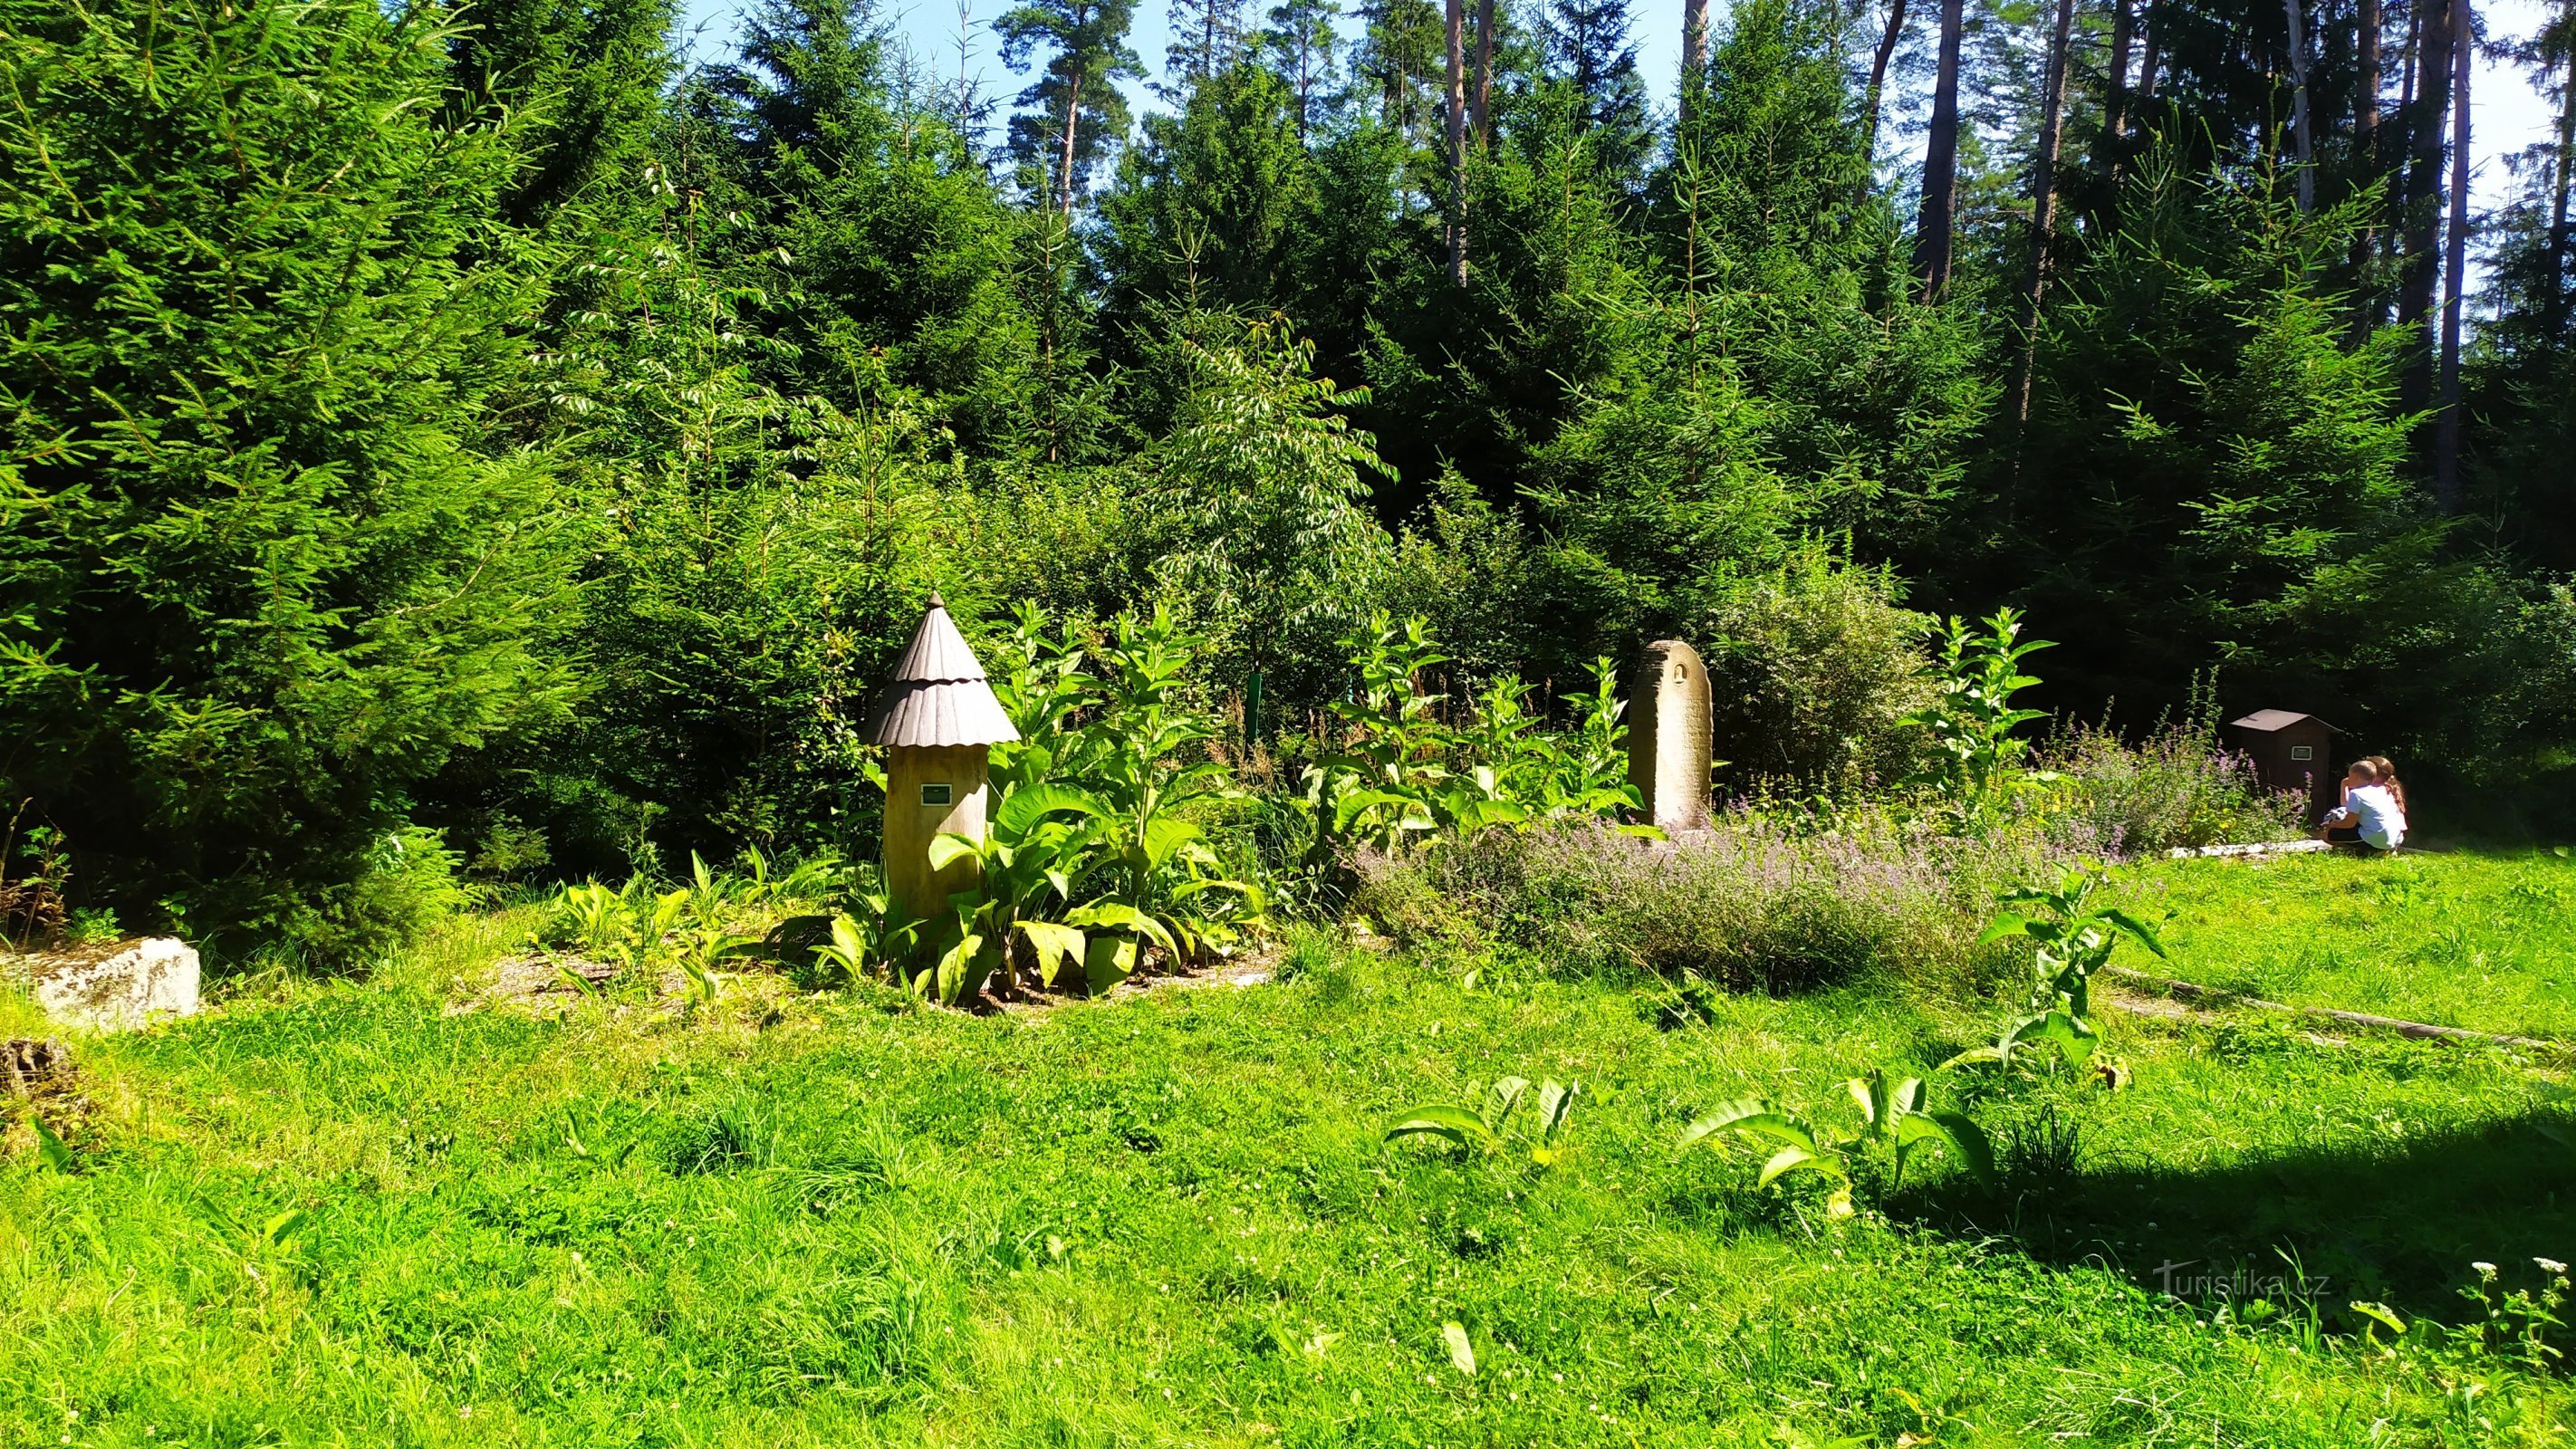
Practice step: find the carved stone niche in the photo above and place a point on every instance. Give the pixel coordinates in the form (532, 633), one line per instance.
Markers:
(1668, 735)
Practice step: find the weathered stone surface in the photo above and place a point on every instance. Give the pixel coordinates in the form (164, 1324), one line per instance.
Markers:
(29, 1067)
(1668, 735)
(114, 987)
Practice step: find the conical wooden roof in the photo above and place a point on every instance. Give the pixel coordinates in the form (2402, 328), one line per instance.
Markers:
(938, 695)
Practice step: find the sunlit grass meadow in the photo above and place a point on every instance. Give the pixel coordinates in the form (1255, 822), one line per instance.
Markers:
(351, 1213)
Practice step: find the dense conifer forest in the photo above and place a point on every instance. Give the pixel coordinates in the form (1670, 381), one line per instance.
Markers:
(483, 437)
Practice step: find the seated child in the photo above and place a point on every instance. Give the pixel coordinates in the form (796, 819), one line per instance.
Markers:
(2369, 814)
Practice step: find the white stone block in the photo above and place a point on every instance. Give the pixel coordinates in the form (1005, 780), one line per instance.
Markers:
(115, 987)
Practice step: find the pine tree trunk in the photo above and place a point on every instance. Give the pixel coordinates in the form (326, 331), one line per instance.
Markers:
(2446, 455)
(1481, 115)
(1072, 117)
(2365, 139)
(1305, 80)
(2043, 203)
(2124, 25)
(1941, 162)
(1457, 125)
(1878, 69)
(2420, 267)
(2558, 238)
(1694, 42)
(2151, 44)
(2301, 137)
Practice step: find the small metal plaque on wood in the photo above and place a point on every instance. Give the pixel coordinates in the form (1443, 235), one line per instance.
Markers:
(938, 793)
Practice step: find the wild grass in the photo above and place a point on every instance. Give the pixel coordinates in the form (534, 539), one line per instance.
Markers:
(1168, 1218)
(2485, 941)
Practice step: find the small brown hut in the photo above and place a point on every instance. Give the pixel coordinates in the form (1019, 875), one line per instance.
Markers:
(2292, 751)
(937, 719)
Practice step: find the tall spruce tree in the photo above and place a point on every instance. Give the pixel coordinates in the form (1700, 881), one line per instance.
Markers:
(1588, 46)
(587, 76)
(269, 567)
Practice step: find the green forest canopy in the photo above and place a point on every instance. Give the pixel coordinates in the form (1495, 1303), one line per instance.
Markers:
(473, 418)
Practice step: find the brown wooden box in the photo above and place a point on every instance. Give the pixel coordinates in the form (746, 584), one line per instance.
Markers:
(2293, 751)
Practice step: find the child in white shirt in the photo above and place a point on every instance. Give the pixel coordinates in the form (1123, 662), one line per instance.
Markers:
(2369, 814)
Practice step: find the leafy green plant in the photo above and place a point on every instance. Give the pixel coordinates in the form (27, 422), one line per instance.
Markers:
(1402, 774)
(1895, 1118)
(857, 943)
(1972, 720)
(1151, 764)
(1379, 787)
(699, 950)
(2072, 940)
(1483, 1126)
(1028, 854)
(591, 918)
(1125, 750)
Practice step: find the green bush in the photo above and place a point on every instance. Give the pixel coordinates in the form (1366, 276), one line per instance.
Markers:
(269, 566)
(1812, 671)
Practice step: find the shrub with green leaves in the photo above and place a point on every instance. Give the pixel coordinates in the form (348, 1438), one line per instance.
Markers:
(1896, 1120)
(1972, 718)
(274, 559)
(1814, 671)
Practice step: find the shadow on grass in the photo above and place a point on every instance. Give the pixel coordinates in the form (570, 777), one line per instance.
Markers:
(2399, 1225)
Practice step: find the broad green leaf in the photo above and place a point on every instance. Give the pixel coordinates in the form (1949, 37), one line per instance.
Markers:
(1444, 1120)
(1027, 805)
(1870, 1095)
(1359, 802)
(1505, 1096)
(1055, 945)
(51, 1150)
(1973, 1056)
(1462, 1354)
(1163, 835)
(1794, 1159)
(1968, 1142)
(283, 1226)
(1754, 1115)
(957, 976)
(948, 847)
(1106, 961)
(1118, 915)
(2004, 924)
(1910, 1096)
(1555, 1104)
(2145, 934)
(2382, 1315)
(2074, 1040)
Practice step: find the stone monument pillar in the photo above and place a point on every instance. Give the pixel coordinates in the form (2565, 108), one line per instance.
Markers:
(1668, 729)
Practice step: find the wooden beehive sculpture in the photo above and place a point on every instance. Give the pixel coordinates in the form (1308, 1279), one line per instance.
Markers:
(938, 721)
